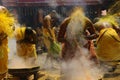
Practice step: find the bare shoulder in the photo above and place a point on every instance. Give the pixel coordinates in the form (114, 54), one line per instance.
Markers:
(47, 17)
(66, 20)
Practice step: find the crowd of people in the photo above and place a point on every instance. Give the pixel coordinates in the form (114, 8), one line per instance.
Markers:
(64, 41)
(77, 31)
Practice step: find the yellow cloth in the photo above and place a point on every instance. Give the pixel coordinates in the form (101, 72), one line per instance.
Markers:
(6, 24)
(20, 33)
(108, 45)
(25, 50)
(52, 46)
(4, 58)
(46, 34)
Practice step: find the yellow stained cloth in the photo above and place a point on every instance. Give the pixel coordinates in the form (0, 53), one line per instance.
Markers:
(52, 46)
(20, 33)
(108, 45)
(6, 24)
(4, 58)
(25, 50)
(45, 37)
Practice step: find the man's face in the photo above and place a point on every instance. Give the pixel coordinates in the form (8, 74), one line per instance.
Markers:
(104, 12)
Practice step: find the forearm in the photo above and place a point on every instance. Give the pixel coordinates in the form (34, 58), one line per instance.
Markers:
(90, 37)
(62, 31)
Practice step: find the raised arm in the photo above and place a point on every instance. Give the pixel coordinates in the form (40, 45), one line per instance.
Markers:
(62, 31)
(91, 29)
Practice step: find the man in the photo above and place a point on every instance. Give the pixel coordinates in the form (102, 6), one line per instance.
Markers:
(26, 39)
(49, 36)
(6, 31)
(108, 46)
(73, 28)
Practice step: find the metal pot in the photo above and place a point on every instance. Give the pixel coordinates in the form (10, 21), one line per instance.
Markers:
(24, 73)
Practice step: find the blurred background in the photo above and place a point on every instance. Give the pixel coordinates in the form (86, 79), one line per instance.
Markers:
(27, 11)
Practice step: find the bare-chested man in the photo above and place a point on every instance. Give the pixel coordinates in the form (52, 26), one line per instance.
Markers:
(83, 29)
